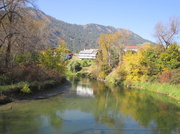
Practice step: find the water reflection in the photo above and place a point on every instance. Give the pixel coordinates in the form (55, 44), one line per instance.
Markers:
(84, 90)
(92, 107)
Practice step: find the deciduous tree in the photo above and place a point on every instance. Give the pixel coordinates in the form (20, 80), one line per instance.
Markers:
(170, 59)
(55, 58)
(166, 33)
(12, 12)
(119, 39)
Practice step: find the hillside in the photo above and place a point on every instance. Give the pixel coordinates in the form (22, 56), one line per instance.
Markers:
(78, 36)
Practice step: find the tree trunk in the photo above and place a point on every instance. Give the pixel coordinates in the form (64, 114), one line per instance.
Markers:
(8, 53)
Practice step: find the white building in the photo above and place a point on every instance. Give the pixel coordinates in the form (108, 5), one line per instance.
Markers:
(88, 54)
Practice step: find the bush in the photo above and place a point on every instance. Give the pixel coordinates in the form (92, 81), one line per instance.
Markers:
(82, 74)
(26, 89)
(86, 62)
(28, 73)
(165, 77)
(102, 75)
(175, 76)
(117, 76)
(48, 84)
(106, 68)
(7, 78)
(74, 66)
(94, 72)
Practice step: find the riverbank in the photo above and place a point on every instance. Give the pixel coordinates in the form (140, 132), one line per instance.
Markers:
(167, 89)
(172, 91)
(14, 94)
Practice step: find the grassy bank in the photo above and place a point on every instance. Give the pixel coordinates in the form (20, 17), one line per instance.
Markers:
(118, 76)
(21, 90)
(26, 87)
(165, 88)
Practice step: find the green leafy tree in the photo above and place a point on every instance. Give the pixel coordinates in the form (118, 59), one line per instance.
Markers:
(55, 58)
(149, 55)
(170, 59)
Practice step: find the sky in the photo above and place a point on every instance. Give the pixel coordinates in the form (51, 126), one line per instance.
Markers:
(138, 16)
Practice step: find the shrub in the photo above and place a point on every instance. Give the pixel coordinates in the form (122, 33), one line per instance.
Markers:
(117, 76)
(106, 68)
(7, 78)
(175, 76)
(28, 73)
(4, 79)
(111, 79)
(102, 75)
(74, 66)
(94, 72)
(165, 76)
(86, 62)
(82, 74)
(25, 89)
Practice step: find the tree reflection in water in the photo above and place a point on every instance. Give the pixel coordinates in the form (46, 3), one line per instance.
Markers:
(110, 110)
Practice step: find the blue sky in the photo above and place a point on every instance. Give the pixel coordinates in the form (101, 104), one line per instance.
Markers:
(139, 16)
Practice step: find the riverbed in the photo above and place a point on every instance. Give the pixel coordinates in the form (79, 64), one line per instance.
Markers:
(91, 107)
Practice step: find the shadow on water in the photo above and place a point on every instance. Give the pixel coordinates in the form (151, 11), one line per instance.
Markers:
(92, 107)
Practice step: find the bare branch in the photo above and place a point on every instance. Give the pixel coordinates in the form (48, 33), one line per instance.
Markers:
(5, 5)
(166, 33)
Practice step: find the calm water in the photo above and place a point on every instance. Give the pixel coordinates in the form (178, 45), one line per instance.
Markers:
(93, 108)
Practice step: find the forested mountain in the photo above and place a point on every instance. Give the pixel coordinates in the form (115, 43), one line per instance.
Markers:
(76, 36)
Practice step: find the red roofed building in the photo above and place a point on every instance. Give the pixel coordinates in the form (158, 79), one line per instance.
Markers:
(132, 48)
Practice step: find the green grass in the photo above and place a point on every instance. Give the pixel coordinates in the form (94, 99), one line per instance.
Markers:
(165, 88)
(11, 87)
(32, 86)
(69, 73)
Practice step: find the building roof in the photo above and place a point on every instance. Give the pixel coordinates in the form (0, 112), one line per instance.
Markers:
(88, 51)
(131, 47)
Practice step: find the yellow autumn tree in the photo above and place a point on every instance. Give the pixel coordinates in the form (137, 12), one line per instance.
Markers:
(104, 58)
(142, 65)
(111, 50)
(131, 64)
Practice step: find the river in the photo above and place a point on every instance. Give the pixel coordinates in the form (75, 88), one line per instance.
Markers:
(91, 107)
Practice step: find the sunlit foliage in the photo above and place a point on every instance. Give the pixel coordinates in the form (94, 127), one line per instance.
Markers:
(150, 61)
(55, 58)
